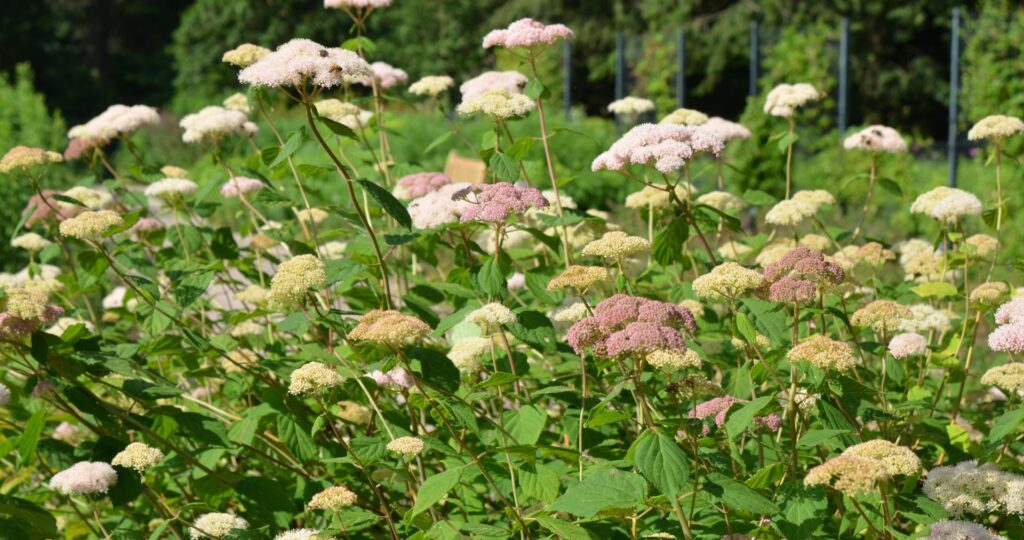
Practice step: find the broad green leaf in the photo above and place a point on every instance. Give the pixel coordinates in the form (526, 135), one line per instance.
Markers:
(540, 482)
(668, 244)
(388, 202)
(504, 167)
(738, 495)
(25, 520)
(563, 529)
(337, 128)
(745, 328)
(663, 462)
(937, 289)
(526, 424)
(438, 141)
(740, 420)
(434, 488)
(606, 489)
(815, 437)
(1006, 424)
(30, 437)
(491, 277)
(296, 438)
(292, 145)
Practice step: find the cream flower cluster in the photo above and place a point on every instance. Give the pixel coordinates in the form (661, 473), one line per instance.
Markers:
(213, 123)
(295, 279)
(995, 128)
(631, 106)
(615, 246)
(117, 120)
(90, 225)
(673, 360)
(244, 55)
(579, 277)
(24, 157)
(466, 352)
(785, 98)
(138, 456)
(512, 82)
(491, 317)
(333, 498)
(658, 197)
(725, 129)
(881, 315)
(171, 189)
(727, 281)
(1007, 377)
(685, 117)
(93, 199)
(969, 488)
(313, 377)
(497, 104)
(30, 242)
(722, 201)
(216, 525)
(406, 446)
(947, 204)
(789, 213)
(389, 327)
(824, 353)
(431, 85)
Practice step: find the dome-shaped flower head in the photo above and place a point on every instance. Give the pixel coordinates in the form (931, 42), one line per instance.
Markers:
(666, 147)
(1011, 312)
(1008, 338)
(663, 326)
(497, 104)
(630, 106)
(30, 242)
(333, 498)
(213, 123)
(642, 338)
(512, 82)
(389, 327)
(798, 274)
(875, 139)
(615, 246)
(240, 185)
(527, 33)
(995, 128)
(406, 446)
(466, 352)
(93, 199)
(908, 344)
(78, 147)
(302, 61)
(969, 488)
(138, 456)
(894, 459)
(727, 281)
(313, 377)
(440, 207)
(295, 279)
(673, 360)
(116, 121)
(850, 475)
(419, 184)
(959, 530)
(725, 129)
(789, 213)
(880, 315)
(494, 203)
(685, 117)
(342, 4)
(216, 525)
(579, 278)
(385, 75)
(785, 98)
(1007, 377)
(90, 225)
(85, 478)
(244, 55)
(824, 353)
(946, 204)
(431, 85)
(988, 294)
(171, 189)
(491, 317)
(23, 158)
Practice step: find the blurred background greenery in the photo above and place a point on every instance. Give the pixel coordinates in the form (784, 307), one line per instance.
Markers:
(64, 61)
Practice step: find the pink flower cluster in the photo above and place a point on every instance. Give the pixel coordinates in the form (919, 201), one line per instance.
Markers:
(240, 185)
(302, 60)
(49, 208)
(666, 146)
(13, 327)
(386, 75)
(623, 325)
(527, 33)
(495, 202)
(796, 276)
(419, 184)
(717, 408)
(512, 82)
(1009, 336)
(395, 377)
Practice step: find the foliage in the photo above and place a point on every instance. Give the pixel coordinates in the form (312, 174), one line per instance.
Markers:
(991, 81)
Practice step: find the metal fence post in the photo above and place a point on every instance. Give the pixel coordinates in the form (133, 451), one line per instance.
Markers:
(844, 67)
(755, 57)
(954, 94)
(620, 73)
(680, 69)
(567, 78)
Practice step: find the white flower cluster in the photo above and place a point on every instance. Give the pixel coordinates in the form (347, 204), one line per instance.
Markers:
(213, 123)
(116, 121)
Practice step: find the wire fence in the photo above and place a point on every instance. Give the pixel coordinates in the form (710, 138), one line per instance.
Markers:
(628, 51)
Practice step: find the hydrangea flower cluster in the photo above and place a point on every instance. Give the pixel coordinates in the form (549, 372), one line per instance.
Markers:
(969, 488)
(295, 279)
(626, 325)
(685, 117)
(725, 129)
(728, 281)
(616, 246)
(389, 327)
(85, 478)
(527, 33)
(419, 184)
(22, 158)
(824, 353)
(431, 85)
(995, 128)
(494, 203)
(800, 274)
(947, 204)
(213, 123)
(631, 106)
(499, 104)
(512, 82)
(302, 61)
(666, 147)
(784, 99)
(440, 207)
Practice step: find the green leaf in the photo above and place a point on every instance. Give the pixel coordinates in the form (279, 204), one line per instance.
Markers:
(296, 438)
(540, 482)
(937, 289)
(767, 476)
(740, 420)
(745, 328)
(191, 287)
(438, 141)
(363, 42)
(786, 140)
(563, 529)
(24, 520)
(271, 197)
(668, 244)
(292, 145)
(739, 496)
(436, 369)
(663, 462)
(804, 510)
(491, 277)
(388, 202)
(526, 424)
(536, 89)
(1006, 424)
(30, 437)
(535, 329)
(891, 186)
(434, 489)
(816, 437)
(756, 197)
(338, 128)
(606, 489)
(504, 167)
